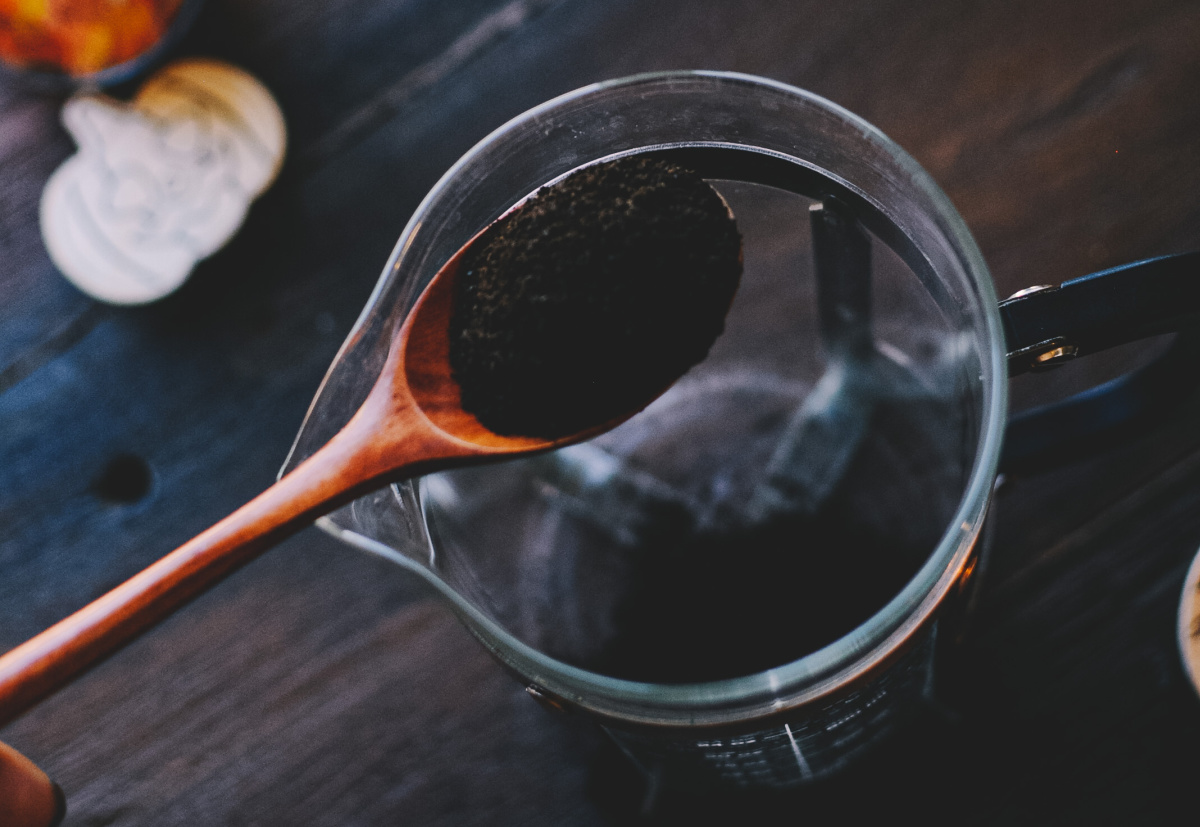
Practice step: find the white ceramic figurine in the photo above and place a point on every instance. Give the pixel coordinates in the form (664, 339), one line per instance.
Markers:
(162, 182)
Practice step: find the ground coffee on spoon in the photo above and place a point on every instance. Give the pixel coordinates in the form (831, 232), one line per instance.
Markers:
(596, 294)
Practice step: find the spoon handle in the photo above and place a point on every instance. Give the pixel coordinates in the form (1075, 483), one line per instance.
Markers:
(331, 477)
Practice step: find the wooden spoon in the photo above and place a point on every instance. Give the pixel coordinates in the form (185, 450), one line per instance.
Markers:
(411, 423)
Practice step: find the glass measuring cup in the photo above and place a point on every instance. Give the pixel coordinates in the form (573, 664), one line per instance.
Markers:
(749, 580)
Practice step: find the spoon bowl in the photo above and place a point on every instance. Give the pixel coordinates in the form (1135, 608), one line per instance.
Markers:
(419, 364)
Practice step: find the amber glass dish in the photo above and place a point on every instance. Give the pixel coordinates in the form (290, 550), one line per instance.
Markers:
(89, 41)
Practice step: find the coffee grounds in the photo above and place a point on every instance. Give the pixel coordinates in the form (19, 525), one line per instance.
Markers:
(592, 298)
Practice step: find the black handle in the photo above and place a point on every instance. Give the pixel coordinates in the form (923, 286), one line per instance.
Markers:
(1044, 326)
(1047, 326)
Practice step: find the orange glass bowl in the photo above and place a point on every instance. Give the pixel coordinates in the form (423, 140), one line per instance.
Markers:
(100, 40)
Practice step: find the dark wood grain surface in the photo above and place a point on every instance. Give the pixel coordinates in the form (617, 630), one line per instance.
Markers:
(322, 687)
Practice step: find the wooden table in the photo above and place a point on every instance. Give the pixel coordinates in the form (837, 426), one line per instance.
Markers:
(320, 686)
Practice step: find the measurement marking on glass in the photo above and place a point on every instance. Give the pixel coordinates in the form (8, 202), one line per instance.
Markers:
(805, 770)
